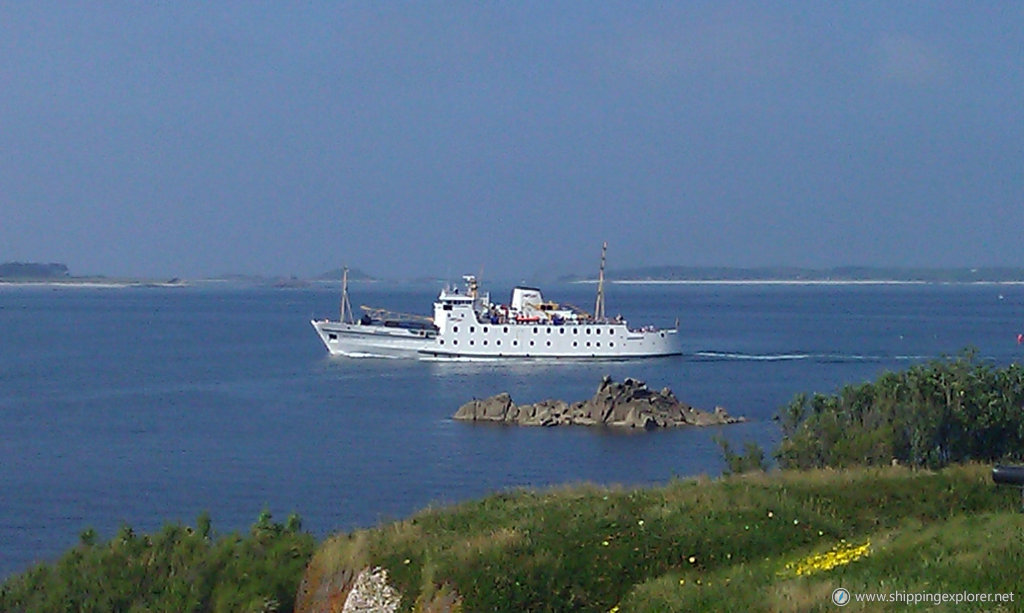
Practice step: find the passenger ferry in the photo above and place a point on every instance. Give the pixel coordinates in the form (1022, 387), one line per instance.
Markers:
(466, 324)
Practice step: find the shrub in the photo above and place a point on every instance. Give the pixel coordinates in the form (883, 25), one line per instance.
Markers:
(753, 458)
(931, 415)
(176, 569)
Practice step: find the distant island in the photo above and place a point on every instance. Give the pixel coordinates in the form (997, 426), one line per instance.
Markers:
(354, 274)
(1004, 274)
(33, 271)
(57, 274)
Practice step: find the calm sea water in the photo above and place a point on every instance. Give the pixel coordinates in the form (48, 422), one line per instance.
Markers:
(143, 405)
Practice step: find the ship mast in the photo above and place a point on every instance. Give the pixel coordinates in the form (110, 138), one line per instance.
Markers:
(346, 308)
(599, 305)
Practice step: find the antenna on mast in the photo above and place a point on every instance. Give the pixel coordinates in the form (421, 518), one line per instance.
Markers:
(599, 305)
(346, 307)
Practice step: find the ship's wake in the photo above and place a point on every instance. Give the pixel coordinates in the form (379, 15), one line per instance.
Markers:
(715, 356)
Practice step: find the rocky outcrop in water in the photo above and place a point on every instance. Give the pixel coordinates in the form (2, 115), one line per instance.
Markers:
(630, 404)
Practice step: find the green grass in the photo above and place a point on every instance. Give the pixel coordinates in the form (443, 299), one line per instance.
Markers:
(699, 544)
(979, 554)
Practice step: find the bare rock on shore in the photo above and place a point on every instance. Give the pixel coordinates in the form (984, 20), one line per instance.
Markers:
(630, 404)
(372, 594)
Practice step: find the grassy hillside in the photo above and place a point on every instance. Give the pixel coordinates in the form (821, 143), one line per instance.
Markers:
(758, 542)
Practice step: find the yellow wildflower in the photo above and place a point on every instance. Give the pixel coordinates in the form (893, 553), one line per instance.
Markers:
(839, 555)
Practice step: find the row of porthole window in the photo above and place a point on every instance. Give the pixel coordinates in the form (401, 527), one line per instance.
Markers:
(536, 330)
(515, 343)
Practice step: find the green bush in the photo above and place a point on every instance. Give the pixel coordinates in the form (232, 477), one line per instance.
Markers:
(177, 569)
(931, 415)
(752, 458)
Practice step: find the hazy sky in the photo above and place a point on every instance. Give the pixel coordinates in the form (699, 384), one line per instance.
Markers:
(406, 139)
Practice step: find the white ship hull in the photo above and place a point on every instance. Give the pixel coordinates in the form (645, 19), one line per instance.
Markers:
(357, 340)
(484, 341)
(466, 324)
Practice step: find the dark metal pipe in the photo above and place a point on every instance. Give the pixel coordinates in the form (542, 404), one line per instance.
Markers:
(1008, 475)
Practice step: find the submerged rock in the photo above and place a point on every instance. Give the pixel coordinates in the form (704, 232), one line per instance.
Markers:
(630, 404)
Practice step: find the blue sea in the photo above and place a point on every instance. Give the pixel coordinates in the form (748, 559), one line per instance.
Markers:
(142, 405)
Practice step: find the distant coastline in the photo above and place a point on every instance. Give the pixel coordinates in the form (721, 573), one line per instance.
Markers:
(16, 274)
(91, 283)
(793, 282)
(57, 275)
(848, 275)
